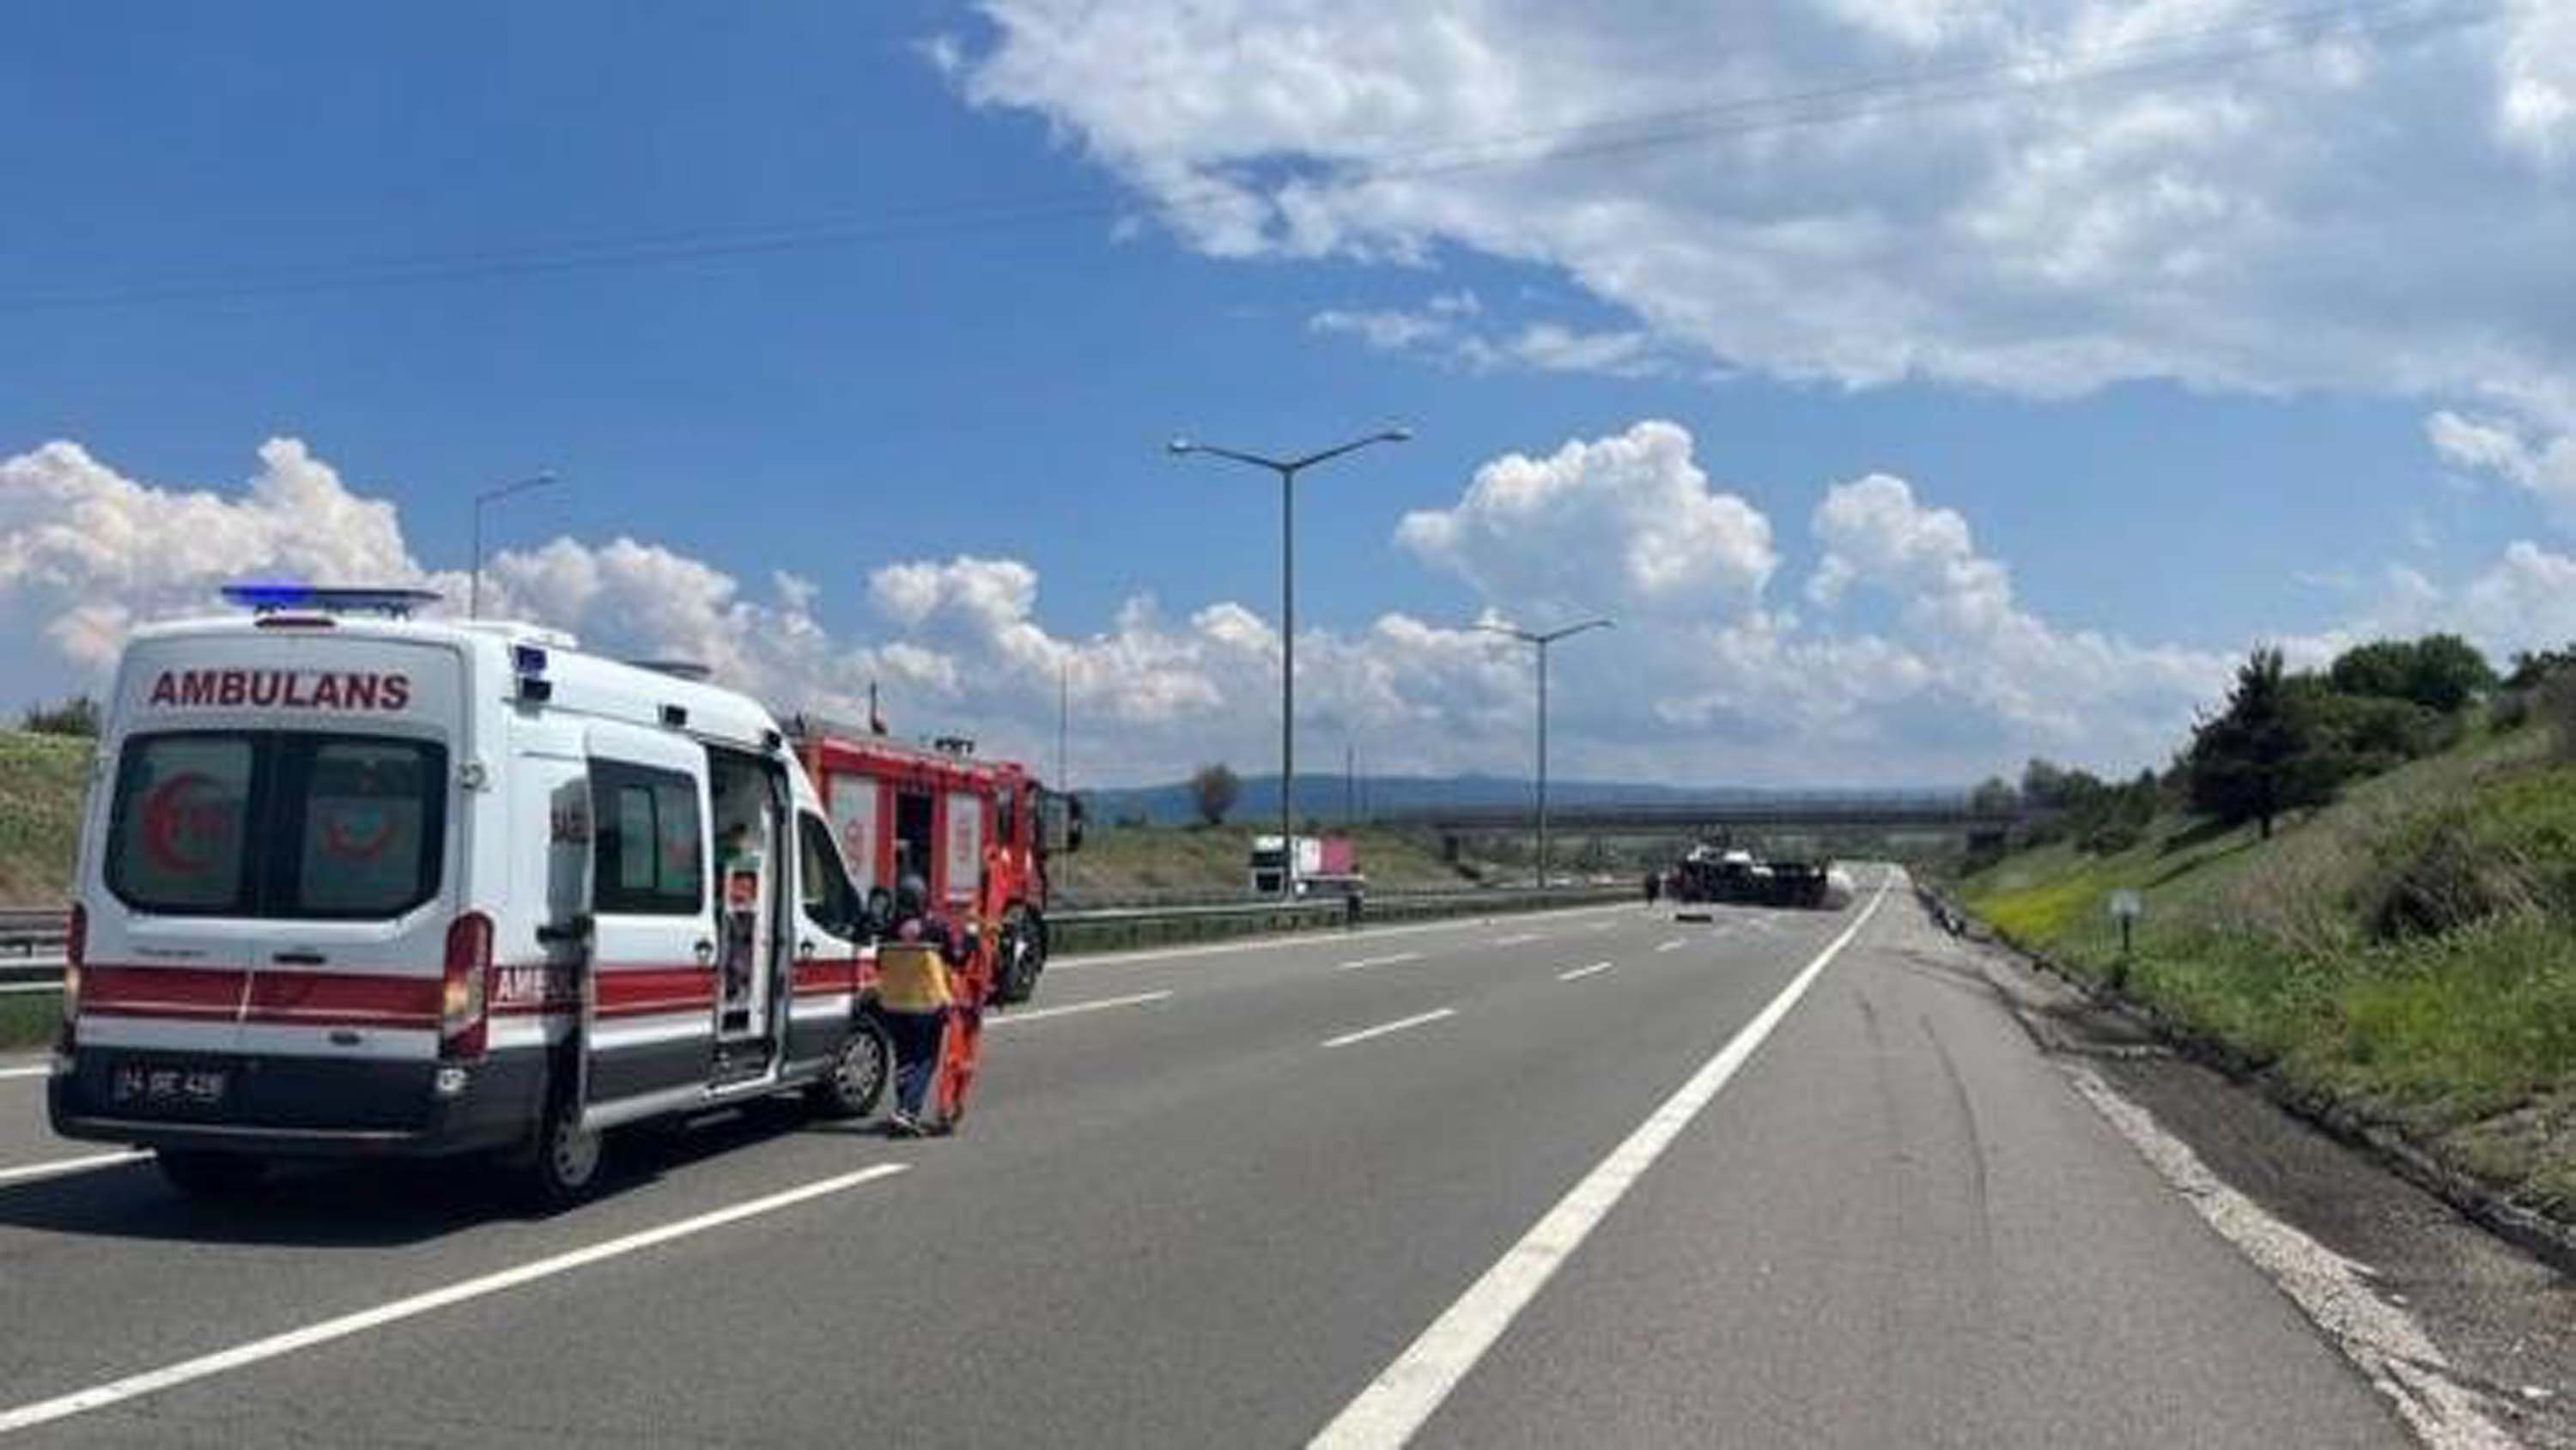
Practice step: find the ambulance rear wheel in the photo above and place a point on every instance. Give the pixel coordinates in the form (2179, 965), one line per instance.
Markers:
(563, 1165)
(201, 1174)
(858, 1076)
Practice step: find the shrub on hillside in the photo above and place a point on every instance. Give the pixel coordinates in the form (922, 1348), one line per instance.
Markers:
(75, 716)
(2373, 734)
(2440, 672)
(2433, 875)
(2509, 710)
(2554, 703)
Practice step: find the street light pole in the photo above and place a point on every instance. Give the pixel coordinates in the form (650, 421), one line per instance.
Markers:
(1542, 640)
(1288, 469)
(474, 589)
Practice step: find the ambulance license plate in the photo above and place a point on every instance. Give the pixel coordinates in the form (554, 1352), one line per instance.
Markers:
(168, 1085)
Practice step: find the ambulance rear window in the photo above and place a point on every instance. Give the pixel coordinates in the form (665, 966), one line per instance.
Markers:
(182, 820)
(277, 824)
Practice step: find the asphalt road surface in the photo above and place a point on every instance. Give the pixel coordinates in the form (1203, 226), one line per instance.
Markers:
(1594, 1177)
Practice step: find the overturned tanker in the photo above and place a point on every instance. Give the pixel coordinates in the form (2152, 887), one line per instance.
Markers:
(1734, 877)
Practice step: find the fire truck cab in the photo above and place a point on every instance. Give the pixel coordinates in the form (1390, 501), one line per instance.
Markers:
(977, 832)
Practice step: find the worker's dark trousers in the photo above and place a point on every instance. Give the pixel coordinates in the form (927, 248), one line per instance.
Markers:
(918, 1037)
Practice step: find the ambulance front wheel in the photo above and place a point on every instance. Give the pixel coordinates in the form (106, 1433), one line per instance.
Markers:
(201, 1174)
(562, 1166)
(859, 1073)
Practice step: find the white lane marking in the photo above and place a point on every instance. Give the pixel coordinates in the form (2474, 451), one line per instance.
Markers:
(1402, 1398)
(1579, 973)
(1070, 1008)
(1365, 963)
(1315, 938)
(1676, 944)
(1515, 940)
(7, 988)
(38, 1070)
(65, 1167)
(2390, 1349)
(1383, 1028)
(96, 1397)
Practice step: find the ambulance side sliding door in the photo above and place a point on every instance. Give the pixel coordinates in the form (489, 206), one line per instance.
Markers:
(654, 954)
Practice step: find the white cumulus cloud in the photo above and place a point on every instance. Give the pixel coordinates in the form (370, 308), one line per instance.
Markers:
(1627, 521)
(1707, 677)
(2039, 196)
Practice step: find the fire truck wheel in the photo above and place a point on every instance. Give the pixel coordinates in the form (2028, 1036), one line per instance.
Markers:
(564, 1166)
(201, 1174)
(859, 1074)
(1020, 961)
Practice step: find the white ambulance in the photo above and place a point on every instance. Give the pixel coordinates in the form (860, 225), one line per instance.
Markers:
(352, 883)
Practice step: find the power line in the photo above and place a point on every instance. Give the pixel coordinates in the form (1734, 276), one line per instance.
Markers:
(1872, 98)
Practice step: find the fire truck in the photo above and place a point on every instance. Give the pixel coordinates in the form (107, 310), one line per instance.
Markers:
(977, 832)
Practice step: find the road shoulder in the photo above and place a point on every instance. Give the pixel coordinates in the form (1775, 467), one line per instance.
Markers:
(2497, 1325)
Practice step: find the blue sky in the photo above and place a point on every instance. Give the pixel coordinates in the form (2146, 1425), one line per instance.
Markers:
(190, 184)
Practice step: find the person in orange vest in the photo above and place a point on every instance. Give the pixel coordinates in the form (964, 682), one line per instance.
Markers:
(915, 996)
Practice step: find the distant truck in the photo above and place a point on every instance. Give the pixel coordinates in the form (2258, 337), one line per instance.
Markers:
(1322, 864)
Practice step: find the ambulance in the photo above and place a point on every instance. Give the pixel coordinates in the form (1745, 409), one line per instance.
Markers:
(354, 883)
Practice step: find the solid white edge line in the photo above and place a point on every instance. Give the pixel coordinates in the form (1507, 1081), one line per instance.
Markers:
(1386, 961)
(2340, 1296)
(1579, 973)
(30, 987)
(39, 1070)
(65, 1167)
(154, 1381)
(1383, 1028)
(1403, 1397)
(1070, 1008)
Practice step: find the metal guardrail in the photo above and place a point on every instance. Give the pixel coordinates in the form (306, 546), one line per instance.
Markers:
(1100, 927)
(35, 936)
(30, 932)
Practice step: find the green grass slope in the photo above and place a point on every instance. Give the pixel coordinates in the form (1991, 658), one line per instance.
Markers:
(2409, 952)
(40, 803)
(1145, 861)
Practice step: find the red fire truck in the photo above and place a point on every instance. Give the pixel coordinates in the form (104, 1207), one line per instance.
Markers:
(978, 832)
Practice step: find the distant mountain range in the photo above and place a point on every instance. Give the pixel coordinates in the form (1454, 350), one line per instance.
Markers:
(1325, 800)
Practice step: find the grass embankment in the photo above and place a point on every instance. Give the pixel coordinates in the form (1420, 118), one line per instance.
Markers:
(1144, 862)
(2405, 953)
(40, 803)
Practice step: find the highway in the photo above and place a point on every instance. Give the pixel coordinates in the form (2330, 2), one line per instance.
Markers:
(1595, 1176)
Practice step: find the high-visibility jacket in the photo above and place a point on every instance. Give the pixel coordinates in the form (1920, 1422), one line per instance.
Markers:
(913, 977)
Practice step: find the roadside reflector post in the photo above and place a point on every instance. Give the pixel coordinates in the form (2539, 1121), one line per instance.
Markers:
(2125, 908)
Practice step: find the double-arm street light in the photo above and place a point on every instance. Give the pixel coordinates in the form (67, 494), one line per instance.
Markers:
(474, 590)
(1288, 469)
(1542, 640)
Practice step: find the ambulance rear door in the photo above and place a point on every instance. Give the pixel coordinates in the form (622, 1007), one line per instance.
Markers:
(280, 847)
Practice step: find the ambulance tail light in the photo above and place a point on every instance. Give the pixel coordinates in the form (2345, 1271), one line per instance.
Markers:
(75, 952)
(462, 1022)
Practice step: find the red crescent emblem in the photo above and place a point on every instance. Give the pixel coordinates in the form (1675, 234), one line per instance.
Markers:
(170, 821)
(339, 840)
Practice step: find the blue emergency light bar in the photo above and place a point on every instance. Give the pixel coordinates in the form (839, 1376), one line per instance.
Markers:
(269, 598)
